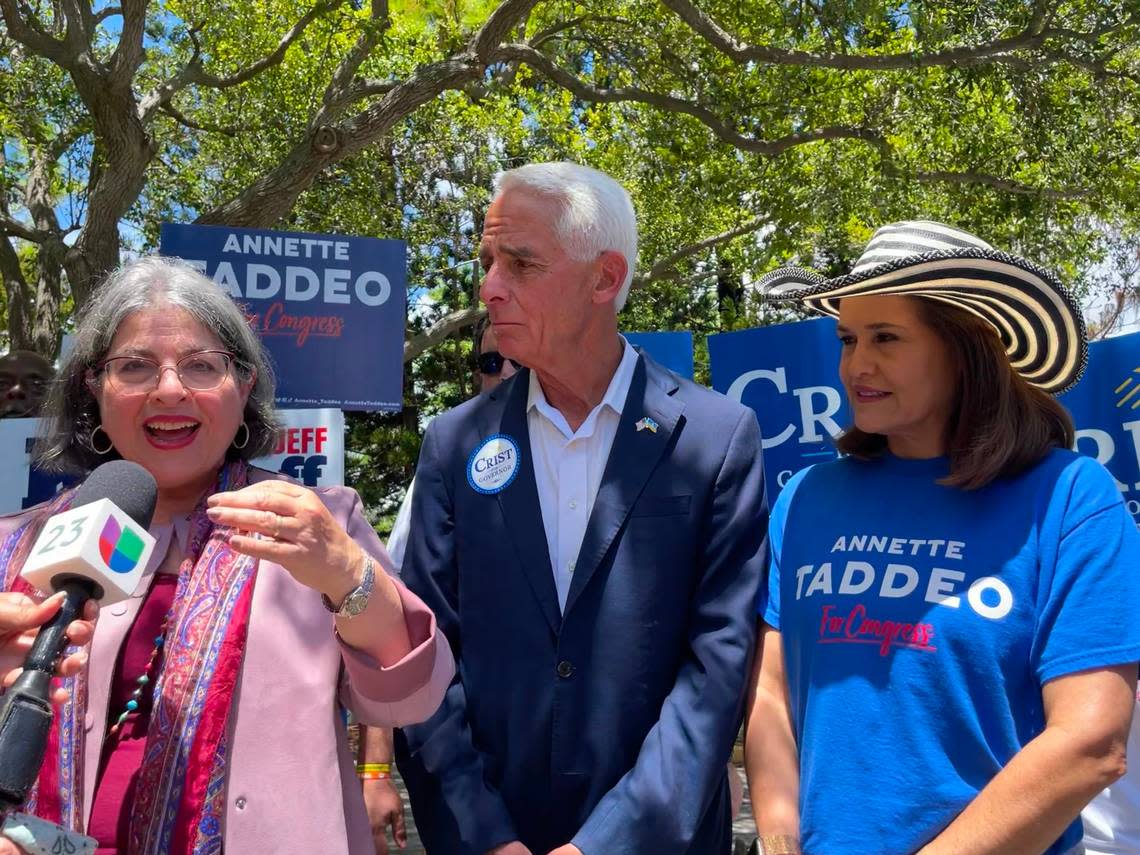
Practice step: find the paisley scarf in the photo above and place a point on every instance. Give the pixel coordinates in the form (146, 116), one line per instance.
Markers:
(179, 800)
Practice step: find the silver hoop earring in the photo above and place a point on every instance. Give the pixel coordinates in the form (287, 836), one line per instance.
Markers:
(245, 438)
(101, 451)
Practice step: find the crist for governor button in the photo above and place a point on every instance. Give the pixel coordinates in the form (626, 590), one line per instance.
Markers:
(493, 465)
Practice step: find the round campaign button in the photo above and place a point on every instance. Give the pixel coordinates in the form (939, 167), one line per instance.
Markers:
(493, 465)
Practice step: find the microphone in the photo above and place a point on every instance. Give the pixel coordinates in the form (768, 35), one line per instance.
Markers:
(97, 549)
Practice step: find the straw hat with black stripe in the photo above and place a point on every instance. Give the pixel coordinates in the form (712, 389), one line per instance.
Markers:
(1036, 318)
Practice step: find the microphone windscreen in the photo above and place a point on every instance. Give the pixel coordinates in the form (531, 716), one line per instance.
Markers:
(127, 484)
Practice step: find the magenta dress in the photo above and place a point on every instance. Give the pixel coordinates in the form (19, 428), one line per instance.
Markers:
(123, 752)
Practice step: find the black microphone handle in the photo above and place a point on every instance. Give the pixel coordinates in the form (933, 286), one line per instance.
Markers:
(25, 724)
(51, 641)
(25, 708)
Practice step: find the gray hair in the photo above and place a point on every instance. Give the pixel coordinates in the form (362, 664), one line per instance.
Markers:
(597, 214)
(71, 413)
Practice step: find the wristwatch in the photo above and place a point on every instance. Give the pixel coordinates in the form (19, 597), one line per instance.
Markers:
(358, 597)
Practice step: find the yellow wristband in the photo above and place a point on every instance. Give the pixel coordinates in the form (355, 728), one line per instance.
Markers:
(374, 767)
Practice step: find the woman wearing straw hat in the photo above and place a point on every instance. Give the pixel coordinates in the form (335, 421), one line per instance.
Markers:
(949, 656)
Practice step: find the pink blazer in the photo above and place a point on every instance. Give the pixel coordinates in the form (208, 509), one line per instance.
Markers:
(292, 785)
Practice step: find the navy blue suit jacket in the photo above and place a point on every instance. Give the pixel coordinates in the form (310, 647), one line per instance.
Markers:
(608, 725)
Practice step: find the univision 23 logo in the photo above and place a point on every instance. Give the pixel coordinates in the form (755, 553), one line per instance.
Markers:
(121, 548)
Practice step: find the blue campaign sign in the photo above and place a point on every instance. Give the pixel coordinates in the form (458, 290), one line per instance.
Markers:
(330, 308)
(1106, 409)
(674, 350)
(789, 375)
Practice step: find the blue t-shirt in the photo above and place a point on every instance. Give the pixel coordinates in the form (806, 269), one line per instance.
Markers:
(920, 622)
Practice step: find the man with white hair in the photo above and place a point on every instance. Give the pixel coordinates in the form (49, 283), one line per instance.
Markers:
(591, 538)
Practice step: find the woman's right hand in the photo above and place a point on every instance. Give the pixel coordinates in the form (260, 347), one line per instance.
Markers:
(7, 847)
(20, 619)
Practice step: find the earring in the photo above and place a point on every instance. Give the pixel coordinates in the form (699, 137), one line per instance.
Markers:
(245, 438)
(101, 451)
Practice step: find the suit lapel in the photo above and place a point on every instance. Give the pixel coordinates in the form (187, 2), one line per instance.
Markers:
(519, 501)
(633, 457)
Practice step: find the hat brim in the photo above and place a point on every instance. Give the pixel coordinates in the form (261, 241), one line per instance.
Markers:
(1037, 319)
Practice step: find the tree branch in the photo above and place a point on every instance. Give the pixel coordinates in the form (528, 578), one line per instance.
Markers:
(1039, 17)
(498, 26)
(341, 90)
(1006, 185)
(996, 51)
(542, 36)
(78, 23)
(11, 226)
(16, 293)
(588, 92)
(194, 73)
(1110, 317)
(770, 147)
(366, 88)
(997, 183)
(441, 329)
(271, 196)
(174, 113)
(27, 33)
(107, 12)
(662, 266)
(271, 59)
(129, 51)
(1097, 68)
(10, 270)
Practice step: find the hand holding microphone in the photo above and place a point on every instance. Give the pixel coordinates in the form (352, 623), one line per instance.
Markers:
(20, 619)
(95, 550)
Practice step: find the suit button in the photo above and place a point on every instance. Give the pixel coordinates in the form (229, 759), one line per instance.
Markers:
(565, 669)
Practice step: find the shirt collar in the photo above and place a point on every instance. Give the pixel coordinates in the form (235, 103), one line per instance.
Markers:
(172, 535)
(614, 398)
(182, 531)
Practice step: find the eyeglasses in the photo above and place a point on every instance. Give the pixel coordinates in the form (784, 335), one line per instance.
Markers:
(198, 372)
(491, 362)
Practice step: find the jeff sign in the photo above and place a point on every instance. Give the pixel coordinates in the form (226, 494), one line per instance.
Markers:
(329, 308)
(310, 448)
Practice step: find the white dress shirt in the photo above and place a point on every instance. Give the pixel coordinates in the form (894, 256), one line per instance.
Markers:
(568, 465)
(1112, 819)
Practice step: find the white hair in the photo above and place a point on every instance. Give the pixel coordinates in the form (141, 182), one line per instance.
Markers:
(597, 214)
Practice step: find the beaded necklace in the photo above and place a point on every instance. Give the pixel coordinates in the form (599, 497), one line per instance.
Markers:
(144, 679)
(147, 678)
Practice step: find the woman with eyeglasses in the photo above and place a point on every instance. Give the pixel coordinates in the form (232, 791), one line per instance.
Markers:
(207, 718)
